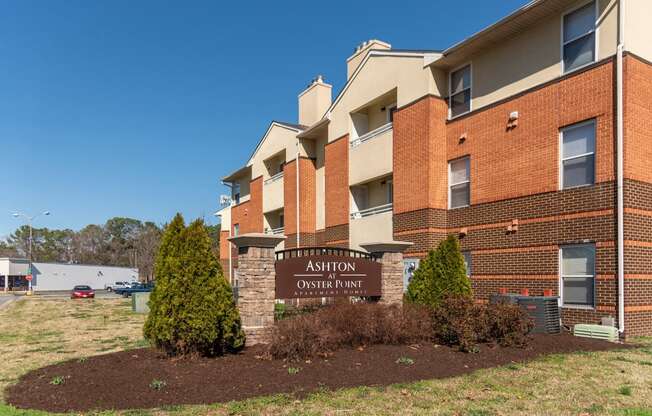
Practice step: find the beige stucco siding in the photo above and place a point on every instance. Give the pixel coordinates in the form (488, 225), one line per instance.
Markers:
(225, 218)
(638, 39)
(273, 193)
(379, 76)
(320, 183)
(533, 57)
(278, 139)
(371, 159)
(370, 229)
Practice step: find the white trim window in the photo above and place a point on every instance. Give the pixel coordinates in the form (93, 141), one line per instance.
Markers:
(468, 262)
(459, 183)
(578, 275)
(236, 230)
(577, 165)
(460, 91)
(579, 37)
(390, 191)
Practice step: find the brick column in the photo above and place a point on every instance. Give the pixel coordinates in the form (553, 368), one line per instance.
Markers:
(391, 254)
(257, 279)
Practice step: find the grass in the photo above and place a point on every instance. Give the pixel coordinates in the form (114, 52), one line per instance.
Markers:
(405, 361)
(617, 383)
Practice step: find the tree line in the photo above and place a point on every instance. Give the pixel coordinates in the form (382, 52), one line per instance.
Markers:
(123, 242)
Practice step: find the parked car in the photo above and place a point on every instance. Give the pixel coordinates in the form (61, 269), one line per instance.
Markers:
(127, 286)
(82, 292)
(137, 288)
(110, 287)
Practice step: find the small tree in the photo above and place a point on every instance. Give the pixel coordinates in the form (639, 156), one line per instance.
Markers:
(440, 275)
(191, 307)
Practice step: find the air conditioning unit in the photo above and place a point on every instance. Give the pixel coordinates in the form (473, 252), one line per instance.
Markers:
(225, 200)
(544, 310)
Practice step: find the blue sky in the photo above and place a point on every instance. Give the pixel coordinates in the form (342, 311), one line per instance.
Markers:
(137, 108)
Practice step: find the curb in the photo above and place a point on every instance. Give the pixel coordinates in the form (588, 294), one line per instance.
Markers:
(7, 303)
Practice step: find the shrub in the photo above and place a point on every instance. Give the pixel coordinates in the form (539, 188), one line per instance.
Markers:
(348, 325)
(440, 275)
(458, 321)
(507, 325)
(191, 307)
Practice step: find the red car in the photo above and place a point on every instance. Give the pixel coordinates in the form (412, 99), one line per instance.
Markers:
(82, 292)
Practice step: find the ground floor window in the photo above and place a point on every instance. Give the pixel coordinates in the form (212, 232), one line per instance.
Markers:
(578, 275)
(467, 262)
(409, 266)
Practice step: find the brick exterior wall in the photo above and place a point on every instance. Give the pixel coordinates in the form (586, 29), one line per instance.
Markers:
(419, 152)
(514, 176)
(307, 202)
(638, 195)
(225, 246)
(336, 169)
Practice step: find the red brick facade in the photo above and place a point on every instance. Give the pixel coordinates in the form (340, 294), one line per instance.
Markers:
(337, 191)
(307, 202)
(514, 177)
(515, 180)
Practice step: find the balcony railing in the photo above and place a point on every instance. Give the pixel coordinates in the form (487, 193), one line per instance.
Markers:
(371, 211)
(370, 135)
(275, 231)
(274, 178)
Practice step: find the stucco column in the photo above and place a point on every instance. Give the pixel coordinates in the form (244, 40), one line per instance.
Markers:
(256, 283)
(6, 283)
(391, 258)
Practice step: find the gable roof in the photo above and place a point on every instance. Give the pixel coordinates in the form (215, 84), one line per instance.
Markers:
(399, 53)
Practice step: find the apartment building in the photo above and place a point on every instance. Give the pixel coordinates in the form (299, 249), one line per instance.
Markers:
(531, 140)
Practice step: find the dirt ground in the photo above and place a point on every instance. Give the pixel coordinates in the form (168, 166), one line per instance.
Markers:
(143, 378)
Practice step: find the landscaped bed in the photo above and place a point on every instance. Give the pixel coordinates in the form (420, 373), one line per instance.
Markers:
(145, 378)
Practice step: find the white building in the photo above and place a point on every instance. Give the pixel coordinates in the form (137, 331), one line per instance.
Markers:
(57, 276)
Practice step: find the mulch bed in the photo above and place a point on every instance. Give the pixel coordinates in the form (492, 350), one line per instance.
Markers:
(122, 380)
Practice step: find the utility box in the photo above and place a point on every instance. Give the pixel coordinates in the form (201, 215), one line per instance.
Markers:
(140, 302)
(543, 310)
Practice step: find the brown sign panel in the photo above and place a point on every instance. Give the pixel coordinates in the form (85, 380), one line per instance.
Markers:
(327, 276)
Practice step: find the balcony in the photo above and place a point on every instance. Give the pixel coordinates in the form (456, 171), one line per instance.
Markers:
(371, 211)
(274, 178)
(275, 231)
(370, 155)
(273, 193)
(371, 225)
(372, 134)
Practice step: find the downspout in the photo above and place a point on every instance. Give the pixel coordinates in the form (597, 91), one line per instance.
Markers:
(297, 197)
(620, 166)
(230, 185)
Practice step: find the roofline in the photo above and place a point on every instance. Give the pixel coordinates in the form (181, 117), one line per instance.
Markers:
(235, 173)
(516, 13)
(370, 54)
(318, 124)
(272, 124)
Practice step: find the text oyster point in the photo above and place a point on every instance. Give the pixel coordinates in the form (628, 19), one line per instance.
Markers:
(327, 276)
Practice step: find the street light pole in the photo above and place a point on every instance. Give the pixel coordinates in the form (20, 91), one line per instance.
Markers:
(30, 220)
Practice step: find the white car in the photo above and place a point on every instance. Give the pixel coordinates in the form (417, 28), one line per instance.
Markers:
(117, 285)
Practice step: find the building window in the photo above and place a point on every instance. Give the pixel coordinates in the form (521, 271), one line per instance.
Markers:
(459, 180)
(578, 275)
(390, 191)
(236, 230)
(281, 220)
(578, 155)
(236, 193)
(460, 91)
(579, 37)
(467, 262)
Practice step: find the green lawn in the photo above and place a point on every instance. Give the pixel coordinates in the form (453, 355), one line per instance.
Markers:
(37, 332)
